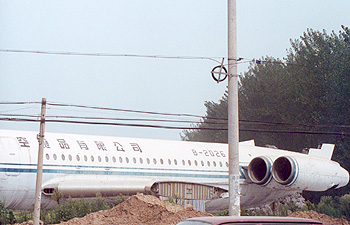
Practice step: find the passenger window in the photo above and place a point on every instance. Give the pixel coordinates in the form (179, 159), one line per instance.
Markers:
(126, 159)
(227, 164)
(134, 160)
(189, 162)
(169, 161)
(92, 158)
(141, 160)
(183, 162)
(47, 156)
(120, 159)
(148, 161)
(70, 157)
(202, 163)
(208, 163)
(161, 161)
(85, 158)
(220, 163)
(154, 161)
(54, 156)
(78, 158)
(106, 159)
(114, 159)
(195, 162)
(99, 158)
(175, 161)
(214, 163)
(63, 157)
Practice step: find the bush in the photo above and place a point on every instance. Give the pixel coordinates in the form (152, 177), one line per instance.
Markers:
(3, 214)
(70, 209)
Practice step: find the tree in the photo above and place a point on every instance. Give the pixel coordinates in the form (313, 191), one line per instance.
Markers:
(309, 90)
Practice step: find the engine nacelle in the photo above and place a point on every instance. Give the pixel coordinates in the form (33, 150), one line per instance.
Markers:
(308, 173)
(259, 170)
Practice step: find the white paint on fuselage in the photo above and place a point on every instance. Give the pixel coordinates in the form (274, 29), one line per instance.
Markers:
(125, 160)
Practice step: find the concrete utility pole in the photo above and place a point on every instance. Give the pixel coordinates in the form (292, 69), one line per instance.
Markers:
(39, 173)
(233, 121)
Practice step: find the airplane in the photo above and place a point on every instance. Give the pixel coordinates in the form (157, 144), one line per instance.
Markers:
(83, 165)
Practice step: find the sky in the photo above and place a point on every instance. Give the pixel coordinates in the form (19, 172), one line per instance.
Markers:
(178, 29)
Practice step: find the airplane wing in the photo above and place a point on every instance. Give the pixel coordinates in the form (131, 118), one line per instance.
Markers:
(89, 185)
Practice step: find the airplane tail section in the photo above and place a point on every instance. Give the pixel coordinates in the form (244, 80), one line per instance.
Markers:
(326, 151)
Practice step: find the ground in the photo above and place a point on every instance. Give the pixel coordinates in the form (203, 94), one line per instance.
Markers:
(149, 210)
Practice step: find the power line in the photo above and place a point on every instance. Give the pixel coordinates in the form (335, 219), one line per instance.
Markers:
(206, 120)
(111, 55)
(175, 127)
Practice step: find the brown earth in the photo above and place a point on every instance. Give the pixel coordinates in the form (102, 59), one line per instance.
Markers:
(139, 209)
(327, 220)
(149, 210)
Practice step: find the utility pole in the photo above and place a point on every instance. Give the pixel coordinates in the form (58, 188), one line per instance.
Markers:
(233, 121)
(39, 173)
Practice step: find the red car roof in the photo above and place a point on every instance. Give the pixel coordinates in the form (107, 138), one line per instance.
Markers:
(253, 219)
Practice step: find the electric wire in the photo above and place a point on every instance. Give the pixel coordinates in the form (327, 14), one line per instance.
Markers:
(176, 127)
(195, 125)
(111, 55)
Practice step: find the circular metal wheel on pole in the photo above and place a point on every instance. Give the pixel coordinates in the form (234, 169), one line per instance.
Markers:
(217, 71)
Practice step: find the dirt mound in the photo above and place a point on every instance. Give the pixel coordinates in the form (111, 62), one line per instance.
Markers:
(327, 220)
(139, 209)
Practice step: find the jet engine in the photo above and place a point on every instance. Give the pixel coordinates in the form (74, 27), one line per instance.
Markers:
(259, 170)
(297, 172)
(308, 173)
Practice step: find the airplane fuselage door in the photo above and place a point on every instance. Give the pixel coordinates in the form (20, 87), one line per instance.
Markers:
(9, 151)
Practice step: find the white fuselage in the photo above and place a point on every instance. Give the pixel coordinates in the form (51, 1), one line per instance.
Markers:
(81, 164)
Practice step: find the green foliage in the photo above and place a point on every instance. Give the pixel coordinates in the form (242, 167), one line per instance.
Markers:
(286, 209)
(57, 196)
(308, 206)
(119, 199)
(175, 199)
(3, 214)
(308, 89)
(70, 209)
(223, 213)
(328, 206)
(24, 216)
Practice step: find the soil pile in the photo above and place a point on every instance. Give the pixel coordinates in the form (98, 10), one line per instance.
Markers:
(139, 209)
(327, 220)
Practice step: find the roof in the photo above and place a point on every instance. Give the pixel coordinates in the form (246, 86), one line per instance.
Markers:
(256, 219)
